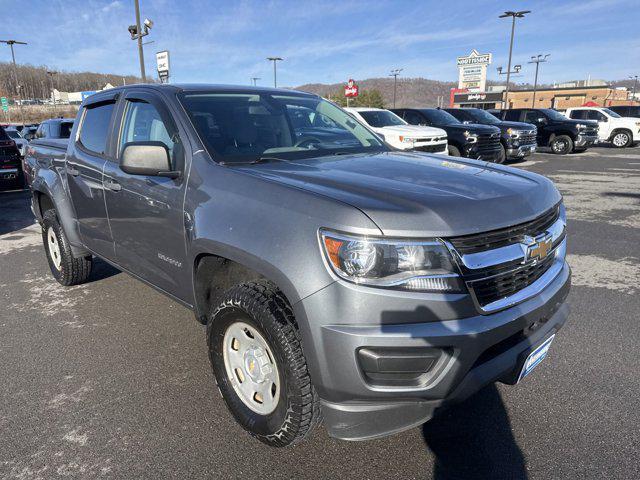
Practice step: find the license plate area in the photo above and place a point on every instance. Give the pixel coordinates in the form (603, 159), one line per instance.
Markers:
(535, 357)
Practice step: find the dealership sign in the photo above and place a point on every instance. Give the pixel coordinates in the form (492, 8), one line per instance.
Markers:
(162, 60)
(477, 97)
(351, 89)
(472, 71)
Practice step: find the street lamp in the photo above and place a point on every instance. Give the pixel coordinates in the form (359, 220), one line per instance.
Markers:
(513, 16)
(394, 73)
(635, 81)
(537, 60)
(137, 33)
(11, 43)
(274, 60)
(255, 80)
(51, 73)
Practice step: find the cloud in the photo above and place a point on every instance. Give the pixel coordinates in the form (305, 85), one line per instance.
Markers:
(112, 6)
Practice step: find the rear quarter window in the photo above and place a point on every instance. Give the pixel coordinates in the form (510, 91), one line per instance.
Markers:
(95, 127)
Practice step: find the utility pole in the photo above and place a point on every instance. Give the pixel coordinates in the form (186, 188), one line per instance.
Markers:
(635, 81)
(394, 73)
(513, 16)
(51, 73)
(274, 60)
(11, 43)
(537, 60)
(137, 33)
(255, 80)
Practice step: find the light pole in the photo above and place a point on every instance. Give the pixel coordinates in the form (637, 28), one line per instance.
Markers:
(513, 16)
(11, 43)
(255, 80)
(394, 73)
(635, 81)
(537, 60)
(51, 73)
(274, 60)
(137, 33)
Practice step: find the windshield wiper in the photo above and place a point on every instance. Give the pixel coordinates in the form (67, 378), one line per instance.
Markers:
(263, 159)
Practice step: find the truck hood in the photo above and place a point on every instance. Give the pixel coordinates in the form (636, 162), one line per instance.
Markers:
(415, 194)
(412, 131)
(472, 127)
(517, 125)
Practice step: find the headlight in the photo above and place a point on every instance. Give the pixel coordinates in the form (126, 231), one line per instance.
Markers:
(581, 126)
(513, 132)
(425, 266)
(471, 137)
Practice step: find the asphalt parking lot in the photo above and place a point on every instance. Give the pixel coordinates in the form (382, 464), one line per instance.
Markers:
(111, 379)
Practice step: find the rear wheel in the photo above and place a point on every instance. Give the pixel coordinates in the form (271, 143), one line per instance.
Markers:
(261, 371)
(621, 139)
(561, 145)
(65, 267)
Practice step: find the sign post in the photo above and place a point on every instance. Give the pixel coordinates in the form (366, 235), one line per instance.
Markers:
(472, 71)
(162, 60)
(350, 90)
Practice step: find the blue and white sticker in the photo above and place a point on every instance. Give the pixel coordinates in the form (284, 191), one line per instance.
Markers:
(536, 357)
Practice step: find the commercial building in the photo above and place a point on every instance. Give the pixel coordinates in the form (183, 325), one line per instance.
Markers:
(558, 98)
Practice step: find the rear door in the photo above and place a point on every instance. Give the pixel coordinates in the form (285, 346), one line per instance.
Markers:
(146, 212)
(84, 173)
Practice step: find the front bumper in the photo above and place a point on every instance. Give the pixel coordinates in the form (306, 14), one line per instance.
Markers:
(585, 140)
(475, 349)
(474, 151)
(521, 151)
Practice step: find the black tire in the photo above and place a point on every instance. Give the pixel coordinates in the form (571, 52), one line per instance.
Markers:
(72, 270)
(561, 145)
(503, 155)
(262, 306)
(454, 151)
(621, 139)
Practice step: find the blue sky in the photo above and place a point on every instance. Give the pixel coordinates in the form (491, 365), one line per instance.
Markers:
(327, 41)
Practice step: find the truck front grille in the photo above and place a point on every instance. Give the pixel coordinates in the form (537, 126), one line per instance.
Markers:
(505, 236)
(527, 139)
(488, 142)
(431, 148)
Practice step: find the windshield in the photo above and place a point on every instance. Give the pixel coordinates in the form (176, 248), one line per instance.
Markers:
(553, 114)
(611, 113)
(65, 129)
(482, 116)
(13, 134)
(440, 117)
(243, 127)
(381, 118)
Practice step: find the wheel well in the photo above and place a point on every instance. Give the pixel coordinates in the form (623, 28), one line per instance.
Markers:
(214, 275)
(621, 130)
(572, 136)
(44, 203)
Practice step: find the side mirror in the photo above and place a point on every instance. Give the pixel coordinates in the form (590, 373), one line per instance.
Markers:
(147, 158)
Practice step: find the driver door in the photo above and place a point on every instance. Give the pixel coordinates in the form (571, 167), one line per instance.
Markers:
(146, 212)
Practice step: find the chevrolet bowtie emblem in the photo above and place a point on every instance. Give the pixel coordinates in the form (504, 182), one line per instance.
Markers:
(538, 248)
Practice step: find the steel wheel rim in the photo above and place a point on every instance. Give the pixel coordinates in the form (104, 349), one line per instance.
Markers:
(620, 140)
(251, 368)
(559, 146)
(54, 248)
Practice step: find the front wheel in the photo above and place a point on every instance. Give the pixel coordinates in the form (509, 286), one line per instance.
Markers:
(261, 371)
(621, 140)
(561, 145)
(454, 151)
(65, 267)
(502, 157)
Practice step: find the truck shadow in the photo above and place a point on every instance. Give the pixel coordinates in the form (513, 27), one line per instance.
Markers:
(15, 213)
(101, 270)
(474, 440)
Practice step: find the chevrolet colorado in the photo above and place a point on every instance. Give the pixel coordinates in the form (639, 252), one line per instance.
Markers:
(337, 277)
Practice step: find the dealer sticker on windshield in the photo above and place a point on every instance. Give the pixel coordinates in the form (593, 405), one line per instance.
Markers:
(536, 357)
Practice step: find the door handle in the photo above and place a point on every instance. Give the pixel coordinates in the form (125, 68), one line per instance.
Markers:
(112, 185)
(73, 171)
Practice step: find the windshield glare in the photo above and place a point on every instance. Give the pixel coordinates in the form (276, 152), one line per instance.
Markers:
(13, 134)
(381, 118)
(611, 113)
(440, 117)
(244, 127)
(482, 116)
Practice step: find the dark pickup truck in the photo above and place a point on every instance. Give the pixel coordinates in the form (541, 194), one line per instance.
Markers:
(473, 140)
(561, 134)
(518, 139)
(339, 278)
(11, 175)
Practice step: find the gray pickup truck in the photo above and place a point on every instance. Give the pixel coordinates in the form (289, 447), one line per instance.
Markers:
(338, 278)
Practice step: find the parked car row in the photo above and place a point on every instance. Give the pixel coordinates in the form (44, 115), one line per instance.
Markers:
(14, 144)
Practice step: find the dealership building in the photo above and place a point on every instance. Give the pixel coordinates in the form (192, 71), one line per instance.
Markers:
(559, 98)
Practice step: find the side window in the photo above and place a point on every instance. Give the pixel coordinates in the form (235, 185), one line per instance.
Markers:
(595, 115)
(143, 123)
(40, 131)
(95, 126)
(578, 114)
(414, 118)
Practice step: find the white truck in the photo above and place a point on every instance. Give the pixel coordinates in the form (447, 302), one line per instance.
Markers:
(620, 131)
(399, 134)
